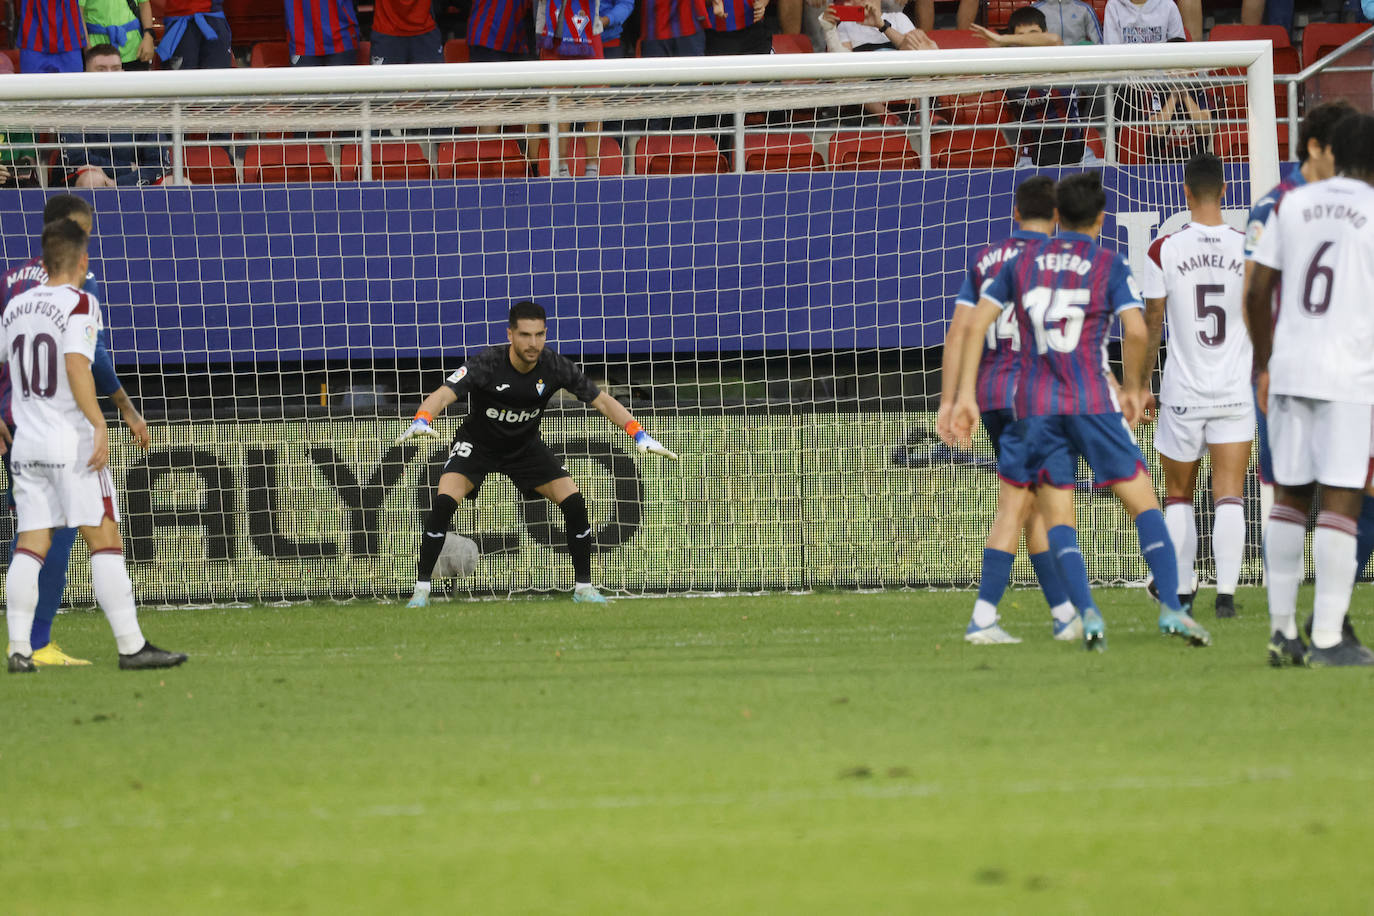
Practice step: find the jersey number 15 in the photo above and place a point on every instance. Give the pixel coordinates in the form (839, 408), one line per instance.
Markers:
(1056, 317)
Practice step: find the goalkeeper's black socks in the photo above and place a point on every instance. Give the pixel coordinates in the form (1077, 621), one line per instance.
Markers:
(436, 531)
(579, 528)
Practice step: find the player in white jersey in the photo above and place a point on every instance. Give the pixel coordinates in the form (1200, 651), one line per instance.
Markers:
(1315, 375)
(60, 452)
(1196, 276)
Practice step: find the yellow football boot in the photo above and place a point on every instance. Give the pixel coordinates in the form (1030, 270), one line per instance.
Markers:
(52, 656)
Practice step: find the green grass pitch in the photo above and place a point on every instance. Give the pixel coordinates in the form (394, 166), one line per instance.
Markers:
(829, 753)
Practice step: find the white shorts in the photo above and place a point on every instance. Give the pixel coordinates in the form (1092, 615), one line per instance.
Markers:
(1328, 442)
(1183, 433)
(48, 495)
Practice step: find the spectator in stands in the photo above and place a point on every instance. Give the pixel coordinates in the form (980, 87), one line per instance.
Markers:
(197, 36)
(614, 14)
(1180, 122)
(1251, 13)
(18, 156)
(738, 28)
(323, 33)
(1134, 22)
(498, 30)
(51, 36)
(674, 28)
(571, 30)
(878, 32)
(113, 22)
(963, 17)
(404, 32)
(109, 160)
(1074, 21)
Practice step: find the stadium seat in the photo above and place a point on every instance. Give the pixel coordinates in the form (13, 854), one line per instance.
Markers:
(980, 148)
(12, 56)
(364, 53)
(678, 155)
(975, 107)
(792, 44)
(1285, 56)
(610, 161)
(1321, 38)
(456, 51)
(951, 39)
(780, 153)
(252, 21)
(287, 162)
(868, 151)
(998, 12)
(494, 158)
(390, 162)
(1131, 146)
(270, 54)
(208, 165)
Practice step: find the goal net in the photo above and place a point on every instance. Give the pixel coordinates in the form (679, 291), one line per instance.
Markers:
(761, 271)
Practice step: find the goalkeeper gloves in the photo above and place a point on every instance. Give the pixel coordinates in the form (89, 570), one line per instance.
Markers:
(420, 428)
(647, 443)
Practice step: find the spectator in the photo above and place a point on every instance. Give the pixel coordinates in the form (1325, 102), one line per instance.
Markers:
(498, 31)
(1251, 13)
(1074, 21)
(106, 160)
(323, 33)
(571, 30)
(197, 36)
(51, 36)
(18, 158)
(673, 28)
(738, 28)
(1133, 22)
(1180, 122)
(404, 32)
(878, 32)
(614, 14)
(963, 17)
(113, 22)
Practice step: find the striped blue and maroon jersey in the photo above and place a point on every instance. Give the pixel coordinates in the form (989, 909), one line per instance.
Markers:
(502, 25)
(739, 14)
(673, 18)
(321, 27)
(1066, 291)
(998, 370)
(50, 26)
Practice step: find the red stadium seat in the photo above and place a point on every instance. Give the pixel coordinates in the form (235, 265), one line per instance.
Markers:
(1285, 55)
(494, 158)
(950, 39)
(364, 53)
(456, 51)
(678, 155)
(999, 11)
(287, 162)
(1321, 38)
(780, 153)
(976, 107)
(270, 54)
(1131, 146)
(252, 21)
(610, 161)
(390, 162)
(792, 44)
(869, 151)
(208, 165)
(980, 148)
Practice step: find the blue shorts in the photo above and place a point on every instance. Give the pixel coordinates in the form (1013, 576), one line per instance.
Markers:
(42, 62)
(686, 46)
(408, 49)
(1045, 450)
(1266, 460)
(996, 423)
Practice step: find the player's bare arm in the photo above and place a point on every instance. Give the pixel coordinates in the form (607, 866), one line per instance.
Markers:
(965, 415)
(615, 411)
(138, 427)
(1154, 326)
(1259, 292)
(950, 364)
(1134, 343)
(83, 391)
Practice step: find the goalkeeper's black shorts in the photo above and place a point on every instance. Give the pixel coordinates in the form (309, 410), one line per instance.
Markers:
(531, 465)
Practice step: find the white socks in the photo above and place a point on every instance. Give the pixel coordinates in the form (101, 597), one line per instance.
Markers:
(1333, 553)
(21, 598)
(984, 613)
(1283, 548)
(1178, 518)
(115, 595)
(1228, 542)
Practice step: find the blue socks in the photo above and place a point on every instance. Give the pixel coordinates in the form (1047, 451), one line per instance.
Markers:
(1047, 574)
(1072, 570)
(1158, 550)
(52, 581)
(1364, 536)
(996, 575)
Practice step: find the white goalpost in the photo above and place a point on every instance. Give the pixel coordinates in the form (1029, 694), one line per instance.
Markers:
(762, 272)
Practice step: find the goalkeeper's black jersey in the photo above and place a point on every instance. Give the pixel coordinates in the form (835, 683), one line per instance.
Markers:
(505, 406)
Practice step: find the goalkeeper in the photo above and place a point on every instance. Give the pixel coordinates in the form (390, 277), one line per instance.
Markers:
(510, 387)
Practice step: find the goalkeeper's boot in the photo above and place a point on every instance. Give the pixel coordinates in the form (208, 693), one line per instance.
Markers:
(420, 597)
(1094, 630)
(1343, 654)
(990, 635)
(52, 656)
(1347, 630)
(1285, 651)
(1178, 623)
(21, 664)
(1070, 630)
(150, 656)
(588, 594)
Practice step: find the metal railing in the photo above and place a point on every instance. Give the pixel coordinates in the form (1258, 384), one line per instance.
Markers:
(1327, 65)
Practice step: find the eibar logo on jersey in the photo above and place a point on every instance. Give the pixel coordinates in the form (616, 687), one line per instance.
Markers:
(458, 376)
(503, 386)
(539, 386)
(512, 416)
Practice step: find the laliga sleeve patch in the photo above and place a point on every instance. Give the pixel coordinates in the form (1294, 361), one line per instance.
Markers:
(91, 334)
(458, 376)
(1252, 235)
